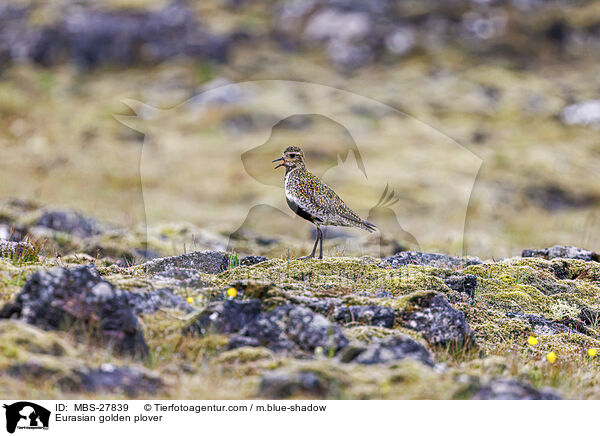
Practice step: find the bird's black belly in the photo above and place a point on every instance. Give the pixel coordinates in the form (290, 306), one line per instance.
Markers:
(301, 212)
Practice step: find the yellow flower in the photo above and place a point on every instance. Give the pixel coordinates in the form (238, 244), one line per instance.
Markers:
(551, 357)
(232, 292)
(592, 352)
(532, 340)
(190, 300)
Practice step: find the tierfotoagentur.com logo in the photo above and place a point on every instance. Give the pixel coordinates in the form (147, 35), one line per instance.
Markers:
(24, 415)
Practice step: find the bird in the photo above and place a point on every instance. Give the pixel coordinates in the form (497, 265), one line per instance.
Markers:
(313, 200)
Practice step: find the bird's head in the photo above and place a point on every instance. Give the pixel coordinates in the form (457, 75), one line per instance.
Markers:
(293, 157)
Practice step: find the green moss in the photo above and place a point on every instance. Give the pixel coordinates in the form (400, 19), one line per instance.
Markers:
(243, 355)
(33, 354)
(528, 286)
(368, 334)
(20, 340)
(269, 294)
(405, 379)
(349, 275)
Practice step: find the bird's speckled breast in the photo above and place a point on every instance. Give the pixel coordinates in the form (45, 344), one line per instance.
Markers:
(291, 194)
(290, 180)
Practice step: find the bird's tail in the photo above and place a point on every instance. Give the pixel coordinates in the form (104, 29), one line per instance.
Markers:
(368, 226)
(360, 223)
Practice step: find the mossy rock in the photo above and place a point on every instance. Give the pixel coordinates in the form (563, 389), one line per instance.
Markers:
(243, 355)
(32, 354)
(19, 338)
(351, 275)
(269, 294)
(327, 378)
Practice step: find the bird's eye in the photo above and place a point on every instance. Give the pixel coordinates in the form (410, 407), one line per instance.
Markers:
(292, 155)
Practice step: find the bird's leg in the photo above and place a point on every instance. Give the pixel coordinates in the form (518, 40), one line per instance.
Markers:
(312, 254)
(320, 233)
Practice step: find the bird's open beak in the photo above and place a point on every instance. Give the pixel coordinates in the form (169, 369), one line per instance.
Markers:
(281, 164)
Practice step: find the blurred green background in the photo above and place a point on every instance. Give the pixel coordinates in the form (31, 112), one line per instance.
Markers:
(480, 115)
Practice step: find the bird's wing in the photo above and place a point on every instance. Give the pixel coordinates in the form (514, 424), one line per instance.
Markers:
(322, 202)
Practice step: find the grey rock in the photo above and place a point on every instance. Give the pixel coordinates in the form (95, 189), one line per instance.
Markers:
(219, 92)
(90, 37)
(209, 262)
(285, 384)
(292, 326)
(150, 302)
(559, 251)
(562, 271)
(228, 316)
(79, 300)
(586, 113)
(344, 32)
(380, 316)
(237, 341)
(308, 329)
(429, 259)
(349, 56)
(180, 277)
(145, 254)
(265, 331)
(542, 326)
(554, 197)
(324, 306)
(4, 232)
(287, 328)
(389, 29)
(400, 41)
(392, 348)
(571, 252)
(260, 240)
(13, 232)
(377, 293)
(466, 284)
(437, 320)
(335, 309)
(69, 221)
(252, 260)
(239, 124)
(352, 35)
(113, 379)
(504, 389)
(332, 23)
(532, 252)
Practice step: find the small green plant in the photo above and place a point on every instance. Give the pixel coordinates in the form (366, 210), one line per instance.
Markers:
(491, 273)
(20, 253)
(331, 348)
(458, 351)
(233, 261)
(521, 276)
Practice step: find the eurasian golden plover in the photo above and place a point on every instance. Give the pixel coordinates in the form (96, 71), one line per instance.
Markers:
(313, 200)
